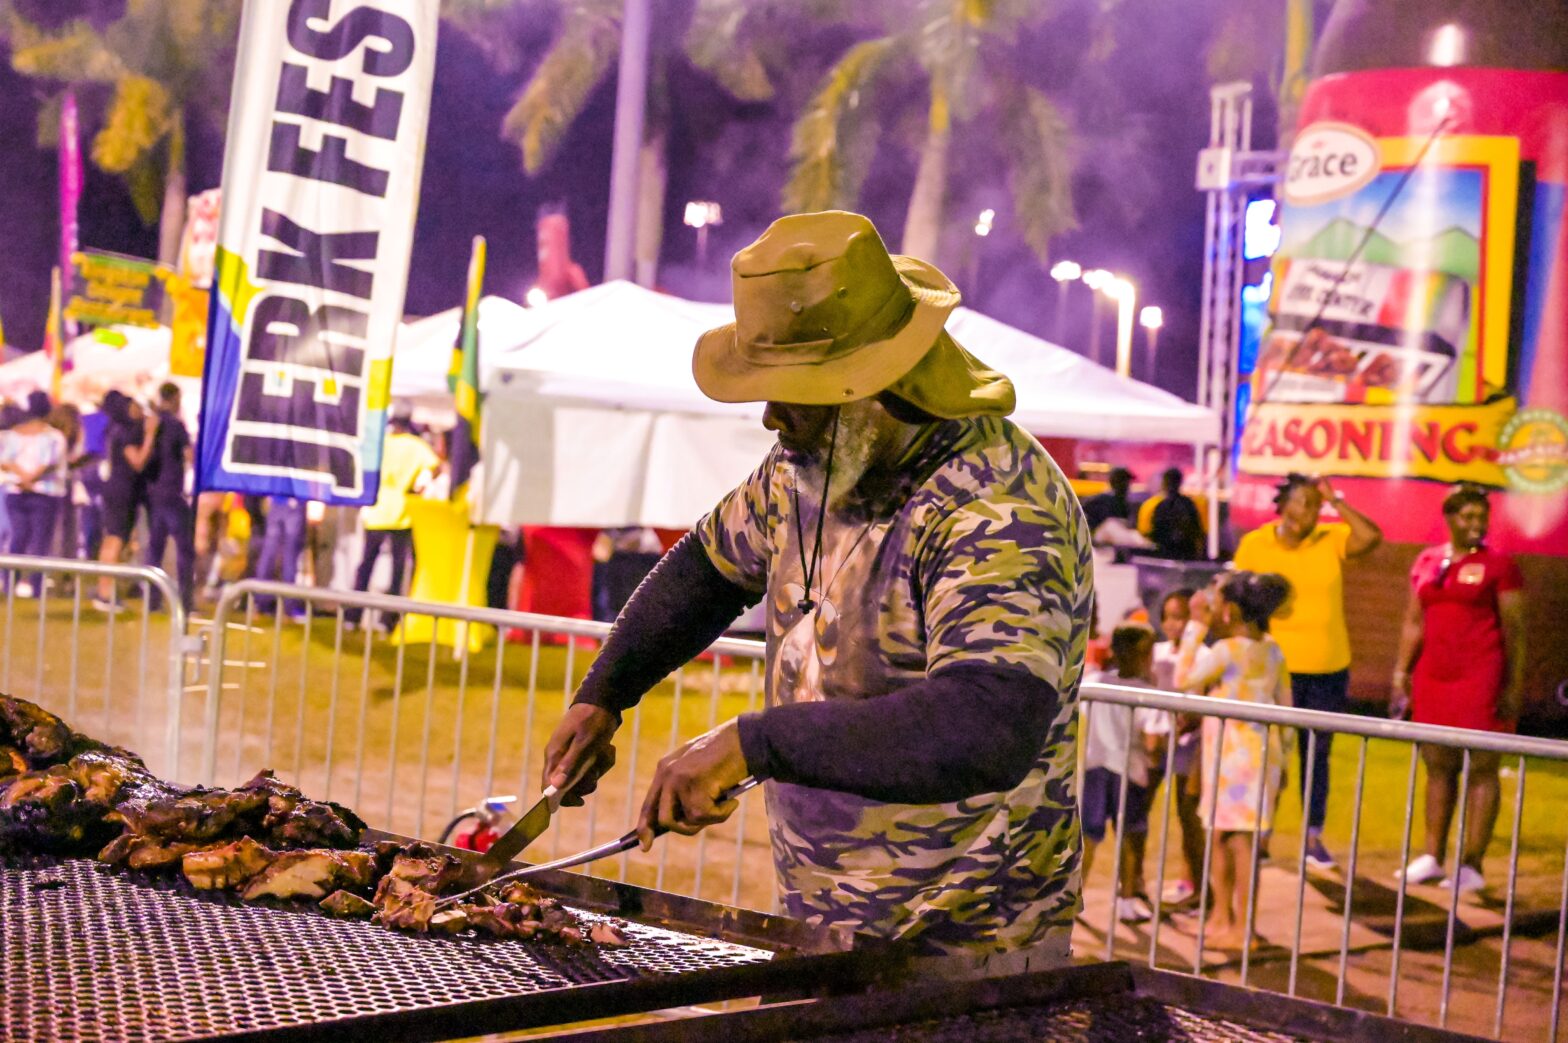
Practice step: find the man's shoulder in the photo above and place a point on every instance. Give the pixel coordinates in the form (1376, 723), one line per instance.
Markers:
(995, 457)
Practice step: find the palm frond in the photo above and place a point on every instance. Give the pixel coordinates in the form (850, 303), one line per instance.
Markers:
(1038, 139)
(76, 53)
(145, 181)
(715, 42)
(138, 119)
(589, 41)
(833, 140)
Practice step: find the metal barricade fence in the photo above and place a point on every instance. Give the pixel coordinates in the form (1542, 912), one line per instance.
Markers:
(411, 726)
(1377, 961)
(117, 675)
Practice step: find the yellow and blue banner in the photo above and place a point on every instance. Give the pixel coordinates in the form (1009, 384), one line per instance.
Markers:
(463, 377)
(326, 141)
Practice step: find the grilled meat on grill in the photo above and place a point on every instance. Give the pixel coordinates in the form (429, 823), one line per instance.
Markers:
(41, 737)
(226, 867)
(65, 809)
(347, 905)
(310, 874)
(65, 793)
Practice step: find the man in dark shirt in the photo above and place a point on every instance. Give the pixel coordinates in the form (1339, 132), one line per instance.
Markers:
(1114, 504)
(928, 578)
(168, 511)
(1177, 529)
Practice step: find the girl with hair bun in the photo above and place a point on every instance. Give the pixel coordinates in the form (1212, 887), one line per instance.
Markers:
(1244, 664)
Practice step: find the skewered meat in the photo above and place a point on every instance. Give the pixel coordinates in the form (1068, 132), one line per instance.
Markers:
(310, 874)
(226, 866)
(347, 905)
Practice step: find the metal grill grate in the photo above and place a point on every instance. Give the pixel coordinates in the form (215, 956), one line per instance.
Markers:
(1110, 1019)
(88, 954)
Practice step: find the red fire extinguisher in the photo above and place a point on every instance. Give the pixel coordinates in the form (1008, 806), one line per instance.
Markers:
(476, 828)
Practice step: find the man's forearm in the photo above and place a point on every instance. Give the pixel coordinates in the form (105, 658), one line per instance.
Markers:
(965, 731)
(682, 606)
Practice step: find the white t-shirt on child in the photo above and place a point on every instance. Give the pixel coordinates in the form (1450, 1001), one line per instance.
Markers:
(1111, 729)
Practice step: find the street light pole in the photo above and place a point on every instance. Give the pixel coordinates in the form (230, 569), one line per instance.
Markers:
(1064, 272)
(1125, 294)
(1097, 279)
(1151, 319)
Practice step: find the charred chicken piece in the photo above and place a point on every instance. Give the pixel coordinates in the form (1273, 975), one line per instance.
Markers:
(402, 906)
(310, 874)
(347, 905)
(146, 853)
(41, 736)
(421, 867)
(226, 867)
(293, 820)
(608, 933)
(11, 762)
(65, 809)
(202, 816)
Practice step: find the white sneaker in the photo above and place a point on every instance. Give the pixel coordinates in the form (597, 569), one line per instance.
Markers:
(1423, 869)
(24, 590)
(1133, 910)
(1178, 892)
(1469, 880)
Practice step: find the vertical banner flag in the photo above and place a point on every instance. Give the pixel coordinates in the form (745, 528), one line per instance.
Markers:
(326, 140)
(463, 377)
(70, 157)
(54, 336)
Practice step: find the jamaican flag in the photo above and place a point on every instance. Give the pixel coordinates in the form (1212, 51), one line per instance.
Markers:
(463, 377)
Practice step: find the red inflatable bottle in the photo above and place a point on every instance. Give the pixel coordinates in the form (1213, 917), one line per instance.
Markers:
(1419, 306)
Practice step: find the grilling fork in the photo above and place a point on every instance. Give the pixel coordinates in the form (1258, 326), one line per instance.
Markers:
(614, 847)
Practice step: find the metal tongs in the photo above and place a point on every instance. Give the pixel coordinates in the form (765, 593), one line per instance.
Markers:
(625, 842)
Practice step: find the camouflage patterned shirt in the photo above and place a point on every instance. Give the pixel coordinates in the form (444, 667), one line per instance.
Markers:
(982, 557)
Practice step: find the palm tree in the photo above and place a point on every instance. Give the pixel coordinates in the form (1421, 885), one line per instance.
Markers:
(722, 38)
(162, 61)
(957, 59)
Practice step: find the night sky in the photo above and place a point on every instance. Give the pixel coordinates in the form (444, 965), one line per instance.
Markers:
(1141, 218)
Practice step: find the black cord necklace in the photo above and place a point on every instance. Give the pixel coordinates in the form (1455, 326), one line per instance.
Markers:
(810, 563)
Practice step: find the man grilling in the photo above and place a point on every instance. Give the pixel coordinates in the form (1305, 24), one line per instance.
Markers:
(927, 572)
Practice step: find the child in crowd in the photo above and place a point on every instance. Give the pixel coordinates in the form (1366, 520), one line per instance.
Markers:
(1174, 613)
(1246, 665)
(1115, 742)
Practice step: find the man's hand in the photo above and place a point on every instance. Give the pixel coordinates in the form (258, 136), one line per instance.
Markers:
(586, 732)
(681, 797)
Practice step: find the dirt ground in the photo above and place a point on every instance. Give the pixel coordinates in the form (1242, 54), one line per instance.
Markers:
(410, 735)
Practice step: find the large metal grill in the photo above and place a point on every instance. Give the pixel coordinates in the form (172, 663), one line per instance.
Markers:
(1092, 1003)
(90, 953)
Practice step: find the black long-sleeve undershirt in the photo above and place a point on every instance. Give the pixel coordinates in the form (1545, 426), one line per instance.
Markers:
(966, 730)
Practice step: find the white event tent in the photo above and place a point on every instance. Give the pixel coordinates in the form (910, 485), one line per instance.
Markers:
(592, 417)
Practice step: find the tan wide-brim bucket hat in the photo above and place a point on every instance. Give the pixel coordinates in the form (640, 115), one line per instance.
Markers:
(826, 316)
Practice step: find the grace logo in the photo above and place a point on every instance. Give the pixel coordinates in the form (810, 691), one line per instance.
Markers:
(1329, 161)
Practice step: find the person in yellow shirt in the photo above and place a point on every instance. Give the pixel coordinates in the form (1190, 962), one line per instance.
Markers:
(407, 463)
(1310, 626)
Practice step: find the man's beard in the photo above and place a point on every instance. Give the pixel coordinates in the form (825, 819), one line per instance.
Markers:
(853, 455)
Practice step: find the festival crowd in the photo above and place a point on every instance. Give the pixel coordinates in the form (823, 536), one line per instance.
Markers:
(1271, 630)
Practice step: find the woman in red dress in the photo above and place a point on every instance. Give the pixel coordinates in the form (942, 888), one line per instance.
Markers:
(1461, 664)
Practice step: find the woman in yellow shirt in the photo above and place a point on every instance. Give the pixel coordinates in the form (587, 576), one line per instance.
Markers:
(1310, 627)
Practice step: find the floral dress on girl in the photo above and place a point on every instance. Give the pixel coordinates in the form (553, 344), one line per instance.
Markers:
(1244, 670)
